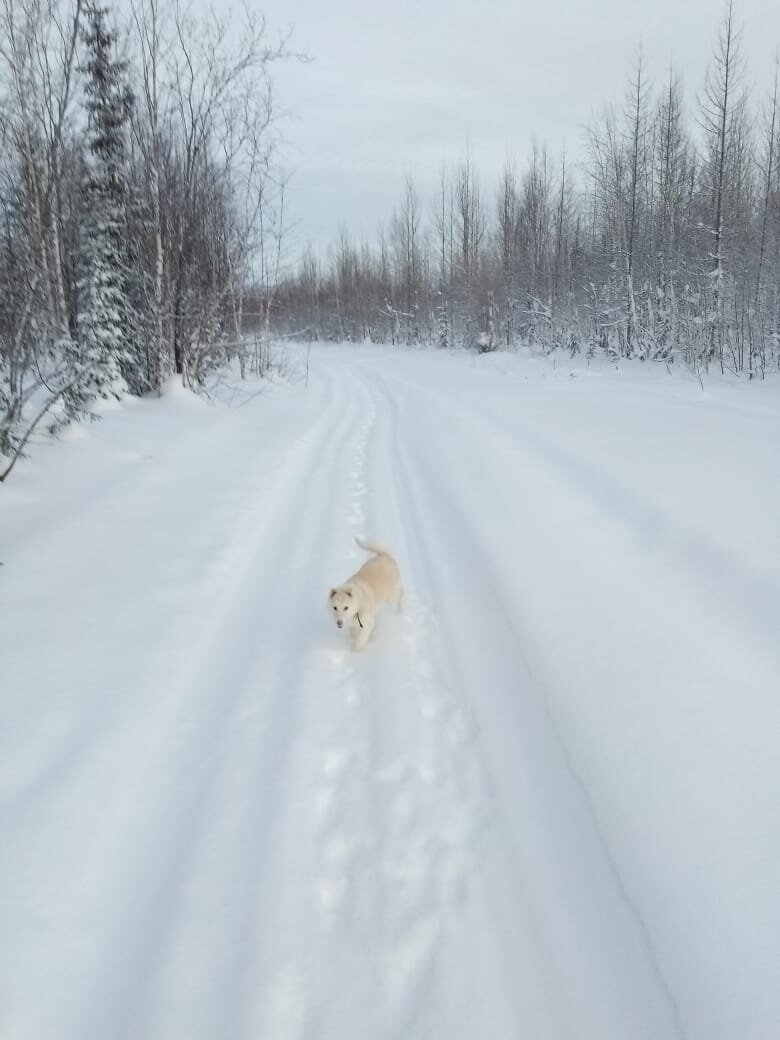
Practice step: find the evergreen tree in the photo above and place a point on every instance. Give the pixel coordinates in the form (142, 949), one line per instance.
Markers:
(107, 343)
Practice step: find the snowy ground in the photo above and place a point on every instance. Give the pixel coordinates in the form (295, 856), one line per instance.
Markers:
(544, 803)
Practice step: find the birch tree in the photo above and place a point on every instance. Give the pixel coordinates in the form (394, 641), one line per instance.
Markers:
(721, 116)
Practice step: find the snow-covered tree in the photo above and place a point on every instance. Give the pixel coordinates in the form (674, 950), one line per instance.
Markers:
(107, 344)
(725, 166)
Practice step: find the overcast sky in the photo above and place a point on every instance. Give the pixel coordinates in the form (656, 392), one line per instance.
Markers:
(401, 85)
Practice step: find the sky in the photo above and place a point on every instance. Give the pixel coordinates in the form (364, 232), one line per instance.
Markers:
(402, 87)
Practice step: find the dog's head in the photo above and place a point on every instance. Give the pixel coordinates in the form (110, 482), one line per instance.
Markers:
(343, 605)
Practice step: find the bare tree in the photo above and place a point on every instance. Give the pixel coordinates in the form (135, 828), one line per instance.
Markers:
(444, 237)
(470, 229)
(721, 116)
(38, 42)
(506, 244)
(769, 168)
(221, 112)
(405, 236)
(636, 148)
(152, 46)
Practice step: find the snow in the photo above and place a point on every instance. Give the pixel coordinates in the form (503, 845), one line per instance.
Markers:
(544, 802)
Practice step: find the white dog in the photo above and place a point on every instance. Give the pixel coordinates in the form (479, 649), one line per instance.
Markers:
(355, 603)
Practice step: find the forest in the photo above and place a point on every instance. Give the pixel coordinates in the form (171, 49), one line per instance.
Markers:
(659, 241)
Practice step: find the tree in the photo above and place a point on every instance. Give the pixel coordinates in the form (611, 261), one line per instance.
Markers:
(722, 118)
(470, 228)
(221, 148)
(636, 155)
(443, 235)
(107, 347)
(148, 118)
(38, 46)
(506, 244)
(674, 174)
(769, 170)
(534, 235)
(405, 236)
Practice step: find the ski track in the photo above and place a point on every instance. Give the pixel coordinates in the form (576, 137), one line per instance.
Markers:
(250, 834)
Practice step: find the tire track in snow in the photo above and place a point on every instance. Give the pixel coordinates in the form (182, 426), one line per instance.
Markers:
(648, 699)
(720, 581)
(397, 805)
(338, 843)
(165, 490)
(211, 766)
(442, 554)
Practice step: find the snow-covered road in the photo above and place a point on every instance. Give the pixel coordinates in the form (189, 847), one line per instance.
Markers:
(544, 803)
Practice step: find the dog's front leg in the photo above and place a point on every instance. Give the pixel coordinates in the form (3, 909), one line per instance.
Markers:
(360, 636)
(359, 640)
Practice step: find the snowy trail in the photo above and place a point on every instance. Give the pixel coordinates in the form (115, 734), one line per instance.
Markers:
(542, 803)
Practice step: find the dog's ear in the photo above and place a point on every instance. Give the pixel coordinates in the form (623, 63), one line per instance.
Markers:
(333, 593)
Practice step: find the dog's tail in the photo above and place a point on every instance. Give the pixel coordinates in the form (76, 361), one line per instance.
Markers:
(373, 547)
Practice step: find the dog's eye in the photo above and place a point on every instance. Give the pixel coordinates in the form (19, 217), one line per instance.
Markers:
(335, 608)
(345, 608)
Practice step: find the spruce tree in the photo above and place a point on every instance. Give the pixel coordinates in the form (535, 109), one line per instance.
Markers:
(107, 344)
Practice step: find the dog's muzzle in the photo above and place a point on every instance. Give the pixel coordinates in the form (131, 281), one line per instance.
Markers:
(340, 623)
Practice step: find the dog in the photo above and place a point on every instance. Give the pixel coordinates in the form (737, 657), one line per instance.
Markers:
(355, 603)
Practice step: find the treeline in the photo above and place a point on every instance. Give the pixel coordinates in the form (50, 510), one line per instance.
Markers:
(138, 188)
(664, 242)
